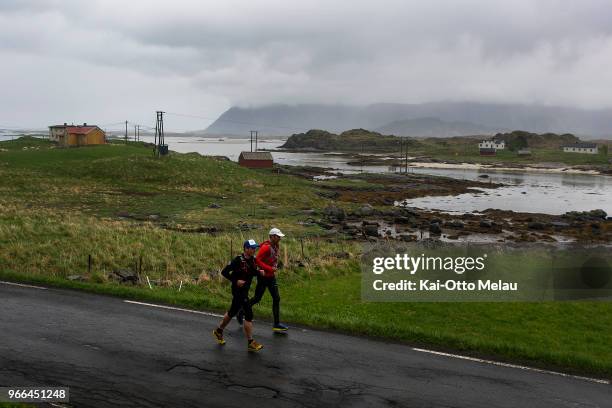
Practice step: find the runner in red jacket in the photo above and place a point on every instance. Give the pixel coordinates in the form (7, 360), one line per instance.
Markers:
(267, 260)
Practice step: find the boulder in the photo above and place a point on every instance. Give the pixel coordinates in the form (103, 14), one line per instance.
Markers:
(125, 276)
(434, 228)
(587, 215)
(334, 212)
(407, 212)
(536, 225)
(329, 194)
(366, 211)
(403, 220)
(246, 226)
(486, 223)
(370, 230)
(407, 237)
(325, 225)
(454, 224)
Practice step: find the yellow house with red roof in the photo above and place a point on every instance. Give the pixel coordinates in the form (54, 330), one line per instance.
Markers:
(79, 135)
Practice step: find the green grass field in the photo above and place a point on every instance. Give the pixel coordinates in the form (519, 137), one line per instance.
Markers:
(119, 204)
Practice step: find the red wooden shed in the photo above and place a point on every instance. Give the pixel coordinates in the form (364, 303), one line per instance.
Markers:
(256, 160)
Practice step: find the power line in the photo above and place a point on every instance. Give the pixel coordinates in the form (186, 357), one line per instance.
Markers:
(8, 127)
(112, 124)
(125, 123)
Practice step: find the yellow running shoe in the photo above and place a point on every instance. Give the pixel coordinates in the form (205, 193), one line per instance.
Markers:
(218, 335)
(254, 346)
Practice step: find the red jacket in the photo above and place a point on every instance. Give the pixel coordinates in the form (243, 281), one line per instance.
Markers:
(267, 258)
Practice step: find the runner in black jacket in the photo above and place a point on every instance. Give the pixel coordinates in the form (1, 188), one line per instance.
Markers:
(241, 271)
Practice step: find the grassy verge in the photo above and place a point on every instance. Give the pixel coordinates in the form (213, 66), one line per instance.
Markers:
(120, 205)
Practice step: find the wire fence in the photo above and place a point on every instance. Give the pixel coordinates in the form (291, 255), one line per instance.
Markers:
(299, 258)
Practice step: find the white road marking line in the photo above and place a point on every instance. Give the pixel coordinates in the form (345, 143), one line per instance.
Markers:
(173, 308)
(458, 356)
(22, 285)
(520, 367)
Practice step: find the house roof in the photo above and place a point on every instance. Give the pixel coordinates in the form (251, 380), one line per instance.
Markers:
(583, 145)
(256, 155)
(80, 130)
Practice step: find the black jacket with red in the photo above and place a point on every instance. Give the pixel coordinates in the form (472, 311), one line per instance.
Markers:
(240, 268)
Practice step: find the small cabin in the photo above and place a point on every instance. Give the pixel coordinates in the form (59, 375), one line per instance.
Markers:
(581, 147)
(487, 151)
(256, 160)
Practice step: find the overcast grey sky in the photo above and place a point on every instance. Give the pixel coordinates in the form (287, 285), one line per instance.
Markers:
(104, 61)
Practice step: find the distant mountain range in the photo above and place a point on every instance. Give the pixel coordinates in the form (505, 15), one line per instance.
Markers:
(429, 119)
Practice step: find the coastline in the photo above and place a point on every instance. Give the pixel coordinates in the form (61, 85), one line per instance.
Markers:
(424, 162)
(493, 167)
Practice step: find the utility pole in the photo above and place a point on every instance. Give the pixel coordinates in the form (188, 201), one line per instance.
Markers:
(138, 133)
(253, 132)
(361, 159)
(161, 149)
(126, 122)
(135, 137)
(406, 157)
(401, 153)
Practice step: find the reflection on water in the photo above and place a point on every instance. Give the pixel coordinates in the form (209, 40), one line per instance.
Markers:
(548, 193)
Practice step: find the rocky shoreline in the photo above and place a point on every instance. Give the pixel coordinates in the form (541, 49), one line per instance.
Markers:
(413, 224)
(374, 210)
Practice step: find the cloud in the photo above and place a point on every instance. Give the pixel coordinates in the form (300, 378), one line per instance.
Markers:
(271, 51)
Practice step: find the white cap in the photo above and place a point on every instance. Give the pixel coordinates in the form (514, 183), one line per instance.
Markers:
(276, 231)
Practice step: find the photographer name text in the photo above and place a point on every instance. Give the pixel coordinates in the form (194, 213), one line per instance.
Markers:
(428, 285)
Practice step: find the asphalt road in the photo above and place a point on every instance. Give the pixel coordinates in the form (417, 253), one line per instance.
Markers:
(113, 353)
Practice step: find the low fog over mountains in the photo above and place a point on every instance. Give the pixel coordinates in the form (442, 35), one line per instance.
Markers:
(430, 119)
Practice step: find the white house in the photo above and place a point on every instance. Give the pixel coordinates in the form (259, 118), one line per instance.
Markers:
(581, 147)
(492, 144)
(57, 132)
